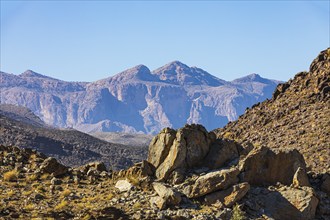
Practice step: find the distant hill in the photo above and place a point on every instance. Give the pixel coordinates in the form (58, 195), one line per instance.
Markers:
(136, 100)
(297, 117)
(71, 147)
(124, 138)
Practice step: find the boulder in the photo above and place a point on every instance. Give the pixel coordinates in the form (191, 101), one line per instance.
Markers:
(220, 153)
(123, 185)
(160, 146)
(300, 178)
(213, 181)
(184, 150)
(51, 166)
(229, 196)
(288, 203)
(263, 166)
(171, 196)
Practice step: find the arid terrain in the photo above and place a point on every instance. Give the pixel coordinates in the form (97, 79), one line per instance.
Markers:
(272, 163)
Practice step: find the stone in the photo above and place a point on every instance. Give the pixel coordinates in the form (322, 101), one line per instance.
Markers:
(287, 203)
(325, 186)
(300, 178)
(55, 181)
(158, 202)
(213, 181)
(51, 166)
(229, 196)
(188, 148)
(263, 166)
(123, 185)
(171, 196)
(220, 153)
(160, 146)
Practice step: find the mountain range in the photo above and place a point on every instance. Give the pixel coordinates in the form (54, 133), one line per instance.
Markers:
(136, 100)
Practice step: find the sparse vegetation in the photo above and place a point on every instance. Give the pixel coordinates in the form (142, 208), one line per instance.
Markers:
(10, 175)
(237, 213)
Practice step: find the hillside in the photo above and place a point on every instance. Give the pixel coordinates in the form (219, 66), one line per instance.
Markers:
(297, 117)
(71, 147)
(136, 100)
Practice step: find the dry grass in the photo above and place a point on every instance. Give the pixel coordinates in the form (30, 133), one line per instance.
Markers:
(10, 175)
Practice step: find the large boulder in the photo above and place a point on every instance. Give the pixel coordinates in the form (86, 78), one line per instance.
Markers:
(213, 181)
(51, 166)
(286, 202)
(160, 146)
(263, 166)
(229, 196)
(220, 153)
(184, 149)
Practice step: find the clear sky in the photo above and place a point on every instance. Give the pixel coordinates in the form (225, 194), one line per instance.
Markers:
(90, 40)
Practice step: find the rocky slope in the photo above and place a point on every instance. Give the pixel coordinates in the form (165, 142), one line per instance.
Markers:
(136, 100)
(297, 117)
(190, 174)
(69, 146)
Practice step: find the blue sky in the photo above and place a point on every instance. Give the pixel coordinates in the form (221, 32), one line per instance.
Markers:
(90, 40)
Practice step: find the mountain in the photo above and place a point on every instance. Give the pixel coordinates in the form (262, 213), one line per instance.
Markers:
(136, 100)
(20, 113)
(70, 147)
(296, 117)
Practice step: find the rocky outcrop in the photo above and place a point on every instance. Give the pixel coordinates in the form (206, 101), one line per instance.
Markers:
(182, 149)
(51, 166)
(295, 118)
(263, 166)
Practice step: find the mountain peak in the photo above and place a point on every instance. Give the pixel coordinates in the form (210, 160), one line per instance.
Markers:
(30, 73)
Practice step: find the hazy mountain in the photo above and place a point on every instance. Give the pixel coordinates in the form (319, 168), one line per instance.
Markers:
(136, 100)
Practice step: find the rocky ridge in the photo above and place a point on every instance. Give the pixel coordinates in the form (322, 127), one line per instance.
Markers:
(297, 117)
(136, 100)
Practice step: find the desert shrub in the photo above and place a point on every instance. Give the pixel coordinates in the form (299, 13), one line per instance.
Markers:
(66, 193)
(237, 214)
(61, 205)
(10, 175)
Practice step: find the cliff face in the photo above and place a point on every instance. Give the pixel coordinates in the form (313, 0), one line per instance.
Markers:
(136, 100)
(297, 117)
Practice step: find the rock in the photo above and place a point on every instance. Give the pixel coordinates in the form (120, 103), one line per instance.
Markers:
(214, 181)
(55, 181)
(224, 214)
(123, 185)
(300, 178)
(98, 166)
(188, 148)
(139, 170)
(220, 153)
(325, 186)
(229, 196)
(158, 202)
(51, 166)
(160, 146)
(287, 203)
(171, 196)
(263, 166)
